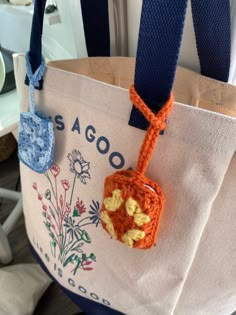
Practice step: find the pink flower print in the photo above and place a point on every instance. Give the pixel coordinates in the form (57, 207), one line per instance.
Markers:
(65, 184)
(40, 197)
(55, 170)
(49, 218)
(53, 227)
(35, 186)
(45, 207)
(80, 206)
(61, 201)
(68, 208)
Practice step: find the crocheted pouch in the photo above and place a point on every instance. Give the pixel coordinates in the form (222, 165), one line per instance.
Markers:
(36, 138)
(133, 203)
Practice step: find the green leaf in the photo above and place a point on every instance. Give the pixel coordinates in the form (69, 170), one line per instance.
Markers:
(52, 235)
(76, 212)
(44, 214)
(48, 225)
(85, 236)
(93, 257)
(70, 259)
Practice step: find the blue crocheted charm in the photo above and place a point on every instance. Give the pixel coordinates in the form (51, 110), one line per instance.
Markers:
(36, 136)
(36, 141)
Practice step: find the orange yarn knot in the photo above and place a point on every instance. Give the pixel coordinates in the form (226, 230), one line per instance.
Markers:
(133, 203)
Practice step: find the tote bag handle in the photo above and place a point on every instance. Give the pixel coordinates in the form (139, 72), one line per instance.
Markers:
(213, 37)
(158, 48)
(211, 19)
(159, 41)
(96, 27)
(212, 30)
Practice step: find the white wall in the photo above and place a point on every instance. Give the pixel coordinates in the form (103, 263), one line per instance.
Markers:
(74, 18)
(60, 41)
(232, 75)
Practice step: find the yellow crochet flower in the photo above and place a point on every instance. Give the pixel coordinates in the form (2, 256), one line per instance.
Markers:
(112, 204)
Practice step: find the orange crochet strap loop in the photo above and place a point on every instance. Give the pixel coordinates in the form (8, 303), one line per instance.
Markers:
(133, 204)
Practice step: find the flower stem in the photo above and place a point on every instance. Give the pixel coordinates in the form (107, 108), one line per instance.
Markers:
(64, 205)
(50, 184)
(56, 192)
(82, 220)
(51, 248)
(55, 219)
(72, 190)
(86, 224)
(54, 207)
(64, 240)
(68, 250)
(68, 244)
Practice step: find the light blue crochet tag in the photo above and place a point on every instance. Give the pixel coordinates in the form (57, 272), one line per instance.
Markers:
(36, 141)
(36, 136)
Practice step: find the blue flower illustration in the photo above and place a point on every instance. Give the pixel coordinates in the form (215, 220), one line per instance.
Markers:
(95, 213)
(72, 229)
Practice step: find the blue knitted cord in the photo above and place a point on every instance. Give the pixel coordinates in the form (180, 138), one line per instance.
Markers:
(34, 79)
(36, 136)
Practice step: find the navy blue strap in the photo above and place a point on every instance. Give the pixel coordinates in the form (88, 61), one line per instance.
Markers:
(158, 48)
(159, 41)
(96, 27)
(213, 36)
(35, 52)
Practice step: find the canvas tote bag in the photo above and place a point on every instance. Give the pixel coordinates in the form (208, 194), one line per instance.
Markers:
(91, 111)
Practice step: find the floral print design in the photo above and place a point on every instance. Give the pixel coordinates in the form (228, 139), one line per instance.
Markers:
(79, 166)
(79, 208)
(95, 213)
(65, 220)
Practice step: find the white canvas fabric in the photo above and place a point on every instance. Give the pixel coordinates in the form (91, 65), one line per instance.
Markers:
(91, 112)
(211, 282)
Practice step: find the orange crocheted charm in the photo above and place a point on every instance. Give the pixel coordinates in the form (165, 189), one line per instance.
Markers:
(133, 204)
(131, 209)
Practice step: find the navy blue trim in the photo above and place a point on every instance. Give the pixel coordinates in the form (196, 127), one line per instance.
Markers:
(88, 306)
(96, 27)
(212, 25)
